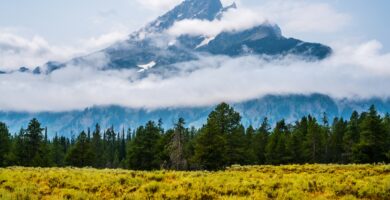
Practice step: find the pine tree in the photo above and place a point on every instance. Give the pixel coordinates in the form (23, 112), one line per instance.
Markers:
(97, 147)
(34, 138)
(110, 151)
(326, 140)
(276, 147)
(143, 152)
(294, 143)
(210, 149)
(122, 148)
(250, 146)
(237, 147)
(372, 144)
(261, 140)
(215, 139)
(351, 137)
(5, 145)
(57, 152)
(336, 140)
(386, 125)
(20, 149)
(189, 149)
(313, 150)
(80, 155)
(45, 151)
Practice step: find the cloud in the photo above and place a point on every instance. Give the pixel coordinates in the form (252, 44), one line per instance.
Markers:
(304, 16)
(232, 20)
(159, 4)
(352, 71)
(293, 16)
(17, 51)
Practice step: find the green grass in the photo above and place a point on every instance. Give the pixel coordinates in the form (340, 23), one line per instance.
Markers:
(252, 182)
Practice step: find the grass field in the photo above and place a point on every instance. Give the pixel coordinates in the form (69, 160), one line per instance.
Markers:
(256, 182)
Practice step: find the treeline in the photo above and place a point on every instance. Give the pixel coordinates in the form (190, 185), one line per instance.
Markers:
(221, 142)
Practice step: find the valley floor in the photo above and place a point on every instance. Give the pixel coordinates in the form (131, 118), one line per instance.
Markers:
(251, 182)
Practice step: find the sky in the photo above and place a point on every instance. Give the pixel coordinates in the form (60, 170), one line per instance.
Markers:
(34, 32)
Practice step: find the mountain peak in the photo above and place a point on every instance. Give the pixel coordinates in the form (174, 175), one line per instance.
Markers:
(188, 9)
(201, 9)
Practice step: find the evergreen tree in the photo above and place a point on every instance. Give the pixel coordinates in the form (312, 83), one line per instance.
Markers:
(237, 147)
(111, 151)
(122, 148)
(189, 149)
(386, 125)
(336, 140)
(143, 153)
(221, 142)
(215, 139)
(294, 142)
(250, 146)
(372, 144)
(326, 140)
(313, 150)
(276, 147)
(210, 149)
(45, 151)
(20, 149)
(351, 137)
(34, 141)
(5, 145)
(97, 147)
(58, 152)
(261, 141)
(80, 155)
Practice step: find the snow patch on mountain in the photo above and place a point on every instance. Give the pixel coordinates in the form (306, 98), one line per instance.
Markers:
(146, 66)
(206, 41)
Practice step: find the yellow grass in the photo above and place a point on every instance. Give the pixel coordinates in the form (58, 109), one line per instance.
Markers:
(252, 182)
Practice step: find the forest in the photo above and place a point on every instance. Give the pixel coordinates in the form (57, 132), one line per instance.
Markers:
(221, 142)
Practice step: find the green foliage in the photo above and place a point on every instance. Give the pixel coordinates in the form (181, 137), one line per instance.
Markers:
(81, 154)
(58, 151)
(220, 141)
(223, 141)
(372, 145)
(144, 149)
(34, 141)
(5, 144)
(261, 141)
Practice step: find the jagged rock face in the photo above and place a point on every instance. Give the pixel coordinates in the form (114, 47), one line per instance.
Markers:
(189, 9)
(264, 40)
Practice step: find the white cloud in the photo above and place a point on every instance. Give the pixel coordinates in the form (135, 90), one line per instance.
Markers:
(232, 20)
(304, 16)
(17, 51)
(159, 4)
(293, 16)
(352, 71)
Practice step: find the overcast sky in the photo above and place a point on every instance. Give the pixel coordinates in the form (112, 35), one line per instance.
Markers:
(34, 32)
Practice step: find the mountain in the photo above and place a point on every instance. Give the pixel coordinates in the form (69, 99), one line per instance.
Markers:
(152, 44)
(150, 48)
(274, 107)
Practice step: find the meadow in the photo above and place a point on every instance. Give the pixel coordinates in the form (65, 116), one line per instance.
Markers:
(236, 182)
